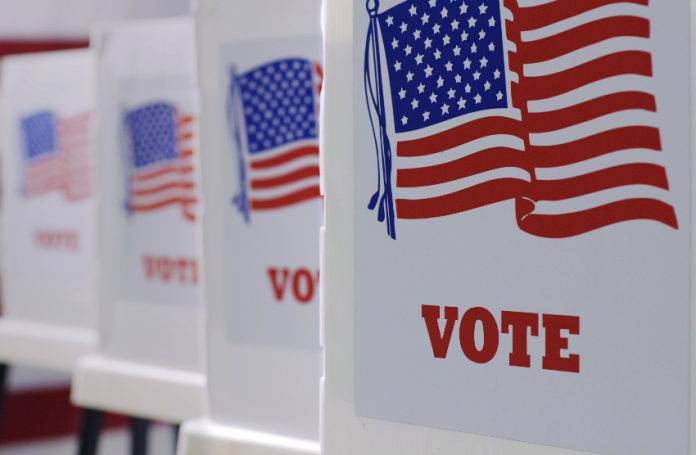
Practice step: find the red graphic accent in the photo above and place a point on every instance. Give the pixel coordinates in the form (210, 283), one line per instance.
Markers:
(440, 341)
(171, 270)
(57, 240)
(553, 12)
(285, 179)
(302, 281)
(557, 330)
(459, 135)
(584, 35)
(285, 157)
(467, 199)
(293, 198)
(556, 343)
(518, 324)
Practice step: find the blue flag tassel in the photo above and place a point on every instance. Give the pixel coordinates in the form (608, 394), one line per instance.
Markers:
(241, 199)
(383, 198)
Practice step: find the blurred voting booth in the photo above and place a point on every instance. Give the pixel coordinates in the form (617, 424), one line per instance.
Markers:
(507, 262)
(151, 356)
(49, 220)
(260, 77)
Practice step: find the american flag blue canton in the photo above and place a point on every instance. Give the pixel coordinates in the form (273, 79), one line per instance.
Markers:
(40, 133)
(272, 111)
(162, 170)
(56, 155)
(279, 104)
(445, 59)
(153, 131)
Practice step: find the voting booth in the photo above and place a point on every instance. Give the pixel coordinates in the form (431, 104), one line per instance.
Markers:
(150, 359)
(260, 74)
(508, 227)
(49, 249)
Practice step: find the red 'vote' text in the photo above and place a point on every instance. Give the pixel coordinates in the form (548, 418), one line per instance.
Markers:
(171, 270)
(520, 326)
(301, 283)
(57, 240)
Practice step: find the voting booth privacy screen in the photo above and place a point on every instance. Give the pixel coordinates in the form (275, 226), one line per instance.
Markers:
(151, 293)
(261, 76)
(518, 244)
(49, 248)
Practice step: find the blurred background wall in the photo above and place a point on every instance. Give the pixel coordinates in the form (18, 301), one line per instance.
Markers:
(71, 19)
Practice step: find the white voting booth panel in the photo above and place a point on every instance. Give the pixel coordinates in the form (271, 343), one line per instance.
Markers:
(507, 262)
(49, 251)
(150, 360)
(260, 72)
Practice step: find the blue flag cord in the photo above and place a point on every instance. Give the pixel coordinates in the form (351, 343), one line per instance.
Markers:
(374, 94)
(240, 200)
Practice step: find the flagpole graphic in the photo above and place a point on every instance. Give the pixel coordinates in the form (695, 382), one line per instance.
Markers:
(241, 199)
(374, 92)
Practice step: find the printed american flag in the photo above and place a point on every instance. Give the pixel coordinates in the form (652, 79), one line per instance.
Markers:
(161, 161)
(549, 105)
(57, 155)
(279, 102)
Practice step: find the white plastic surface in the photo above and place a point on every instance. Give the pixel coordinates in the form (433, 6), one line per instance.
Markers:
(49, 292)
(163, 394)
(264, 399)
(203, 437)
(46, 346)
(151, 358)
(343, 432)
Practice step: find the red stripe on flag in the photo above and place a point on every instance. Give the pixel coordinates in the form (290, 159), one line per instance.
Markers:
(540, 122)
(576, 223)
(613, 177)
(470, 198)
(582, 36)
(286, 157)
(459, 135)
(535, 17)
(285, 179)
(284, 201)
(164, 187)
(620, 63)
(483, 161)
(163, 203)
(162, 171)
(630, 137)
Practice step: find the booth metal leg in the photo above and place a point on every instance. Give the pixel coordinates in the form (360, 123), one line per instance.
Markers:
(4, 373)
(176, 428)
(92, 422)
(139, 435)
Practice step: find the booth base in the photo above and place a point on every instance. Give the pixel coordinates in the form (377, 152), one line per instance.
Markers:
(203, 437)
(162, 394)
(44, 345)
